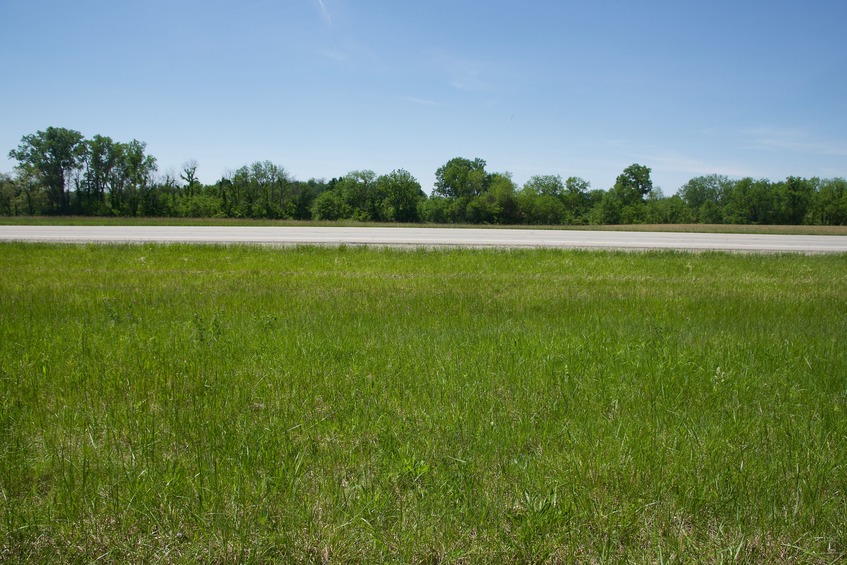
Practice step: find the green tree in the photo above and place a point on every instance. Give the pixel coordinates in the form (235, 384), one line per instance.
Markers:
(101, 159)
(608, 209)
(138, 168)
(547, 185)
(10, 202)
(792, 199)
(502, 190)
(749, 201)
(625, 202)
(435, 210)
(576, 198)
(461, 178)
(828, 205)
(52, 157)
(303, 195)
(359, 192)
(541, 209)
(540, 203)
(546, 199)
(667, 210)
(241, 194)
(330, 205)
(633, 185)
(401, 193)
(483, 209)
(704, 196)
(267, 188)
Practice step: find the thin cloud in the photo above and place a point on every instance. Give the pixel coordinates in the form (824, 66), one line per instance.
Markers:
(335, 55)
(461, 73)
(325, 13)
(775, 139)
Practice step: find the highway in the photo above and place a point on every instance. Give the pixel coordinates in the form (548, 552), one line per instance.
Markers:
(428, 237)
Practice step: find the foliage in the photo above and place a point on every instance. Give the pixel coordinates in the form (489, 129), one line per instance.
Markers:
(10, 196)
(828, 204)
(52, 156)
(60, 172)
(461, 179)
(400, 194)
(633, 185)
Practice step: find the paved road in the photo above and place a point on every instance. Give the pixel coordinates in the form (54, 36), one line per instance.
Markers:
(428, 237)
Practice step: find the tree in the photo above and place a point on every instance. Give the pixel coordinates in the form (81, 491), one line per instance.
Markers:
(189, 175)
(576, 198)
(792, 199)
(829, 204)
(52, 156)
(135, 172)
(358, 191)
(330, 205)
(100, 162)
(625, 202)
(540, 209)
(461, 178)
(749, 201)
(503, 191)
(705, 196)
(401, 193)
(167, 188)
(540, 201)
(633, 185)
(608, 209)
(9, 196)
(671, 210)
(435, 210)
(32, 192)
(303, 196)
(268, 186)
(547, 185)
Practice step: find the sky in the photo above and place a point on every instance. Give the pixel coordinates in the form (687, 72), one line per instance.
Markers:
(324, 87)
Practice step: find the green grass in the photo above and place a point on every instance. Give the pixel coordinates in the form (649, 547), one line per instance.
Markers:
(236, 403)
(223, 222)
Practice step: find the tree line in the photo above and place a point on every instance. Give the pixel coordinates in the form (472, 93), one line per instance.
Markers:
(60, 172)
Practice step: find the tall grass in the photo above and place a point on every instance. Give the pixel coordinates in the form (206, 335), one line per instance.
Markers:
(235, 403)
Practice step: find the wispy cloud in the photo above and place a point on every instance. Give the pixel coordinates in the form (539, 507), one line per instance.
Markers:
(461, 73)
(324, 12)
(335, 54)
(332, 52)
(793, 140)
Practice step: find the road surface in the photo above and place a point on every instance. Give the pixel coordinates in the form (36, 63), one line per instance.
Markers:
(457, 237)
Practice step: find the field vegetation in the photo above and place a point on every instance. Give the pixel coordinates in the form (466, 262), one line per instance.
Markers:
(233, 403)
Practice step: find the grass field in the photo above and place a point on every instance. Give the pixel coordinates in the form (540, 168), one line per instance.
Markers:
(233, 403)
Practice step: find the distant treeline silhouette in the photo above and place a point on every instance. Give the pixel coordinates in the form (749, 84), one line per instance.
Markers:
(60, 172)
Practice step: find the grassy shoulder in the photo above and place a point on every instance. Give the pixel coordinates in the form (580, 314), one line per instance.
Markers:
(223, 222)
(222, 403)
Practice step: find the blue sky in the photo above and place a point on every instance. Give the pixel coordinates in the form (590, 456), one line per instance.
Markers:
(323, 87)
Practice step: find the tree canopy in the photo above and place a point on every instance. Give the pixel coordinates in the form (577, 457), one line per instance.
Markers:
(51, 156)
(59, 171)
